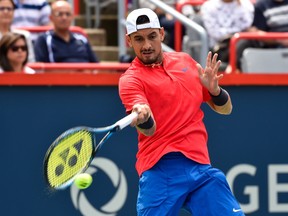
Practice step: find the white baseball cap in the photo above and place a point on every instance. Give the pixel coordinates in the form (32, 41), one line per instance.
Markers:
(131, 20)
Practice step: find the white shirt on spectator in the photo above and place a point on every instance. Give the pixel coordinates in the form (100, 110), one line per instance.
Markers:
(222, 19)
(27, 70)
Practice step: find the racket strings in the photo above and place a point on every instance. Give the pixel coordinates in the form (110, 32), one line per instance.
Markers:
(69, 157)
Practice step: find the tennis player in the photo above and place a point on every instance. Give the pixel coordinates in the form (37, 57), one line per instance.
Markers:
(167, 90)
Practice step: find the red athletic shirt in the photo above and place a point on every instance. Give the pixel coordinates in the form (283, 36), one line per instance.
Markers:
(174, 93)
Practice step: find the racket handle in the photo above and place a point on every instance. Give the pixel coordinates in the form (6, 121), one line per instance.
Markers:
(124, 122)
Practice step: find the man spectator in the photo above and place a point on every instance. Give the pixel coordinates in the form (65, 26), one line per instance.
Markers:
(29, 13)
(269, 16)
(60, 44)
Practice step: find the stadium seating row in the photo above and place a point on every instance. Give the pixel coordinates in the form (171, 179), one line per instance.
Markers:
(251, 56)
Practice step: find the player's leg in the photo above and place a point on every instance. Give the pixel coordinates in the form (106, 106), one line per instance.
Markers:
(163, 188)
(213, 197)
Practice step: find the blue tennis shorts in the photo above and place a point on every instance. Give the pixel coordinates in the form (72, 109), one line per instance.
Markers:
(176, 182)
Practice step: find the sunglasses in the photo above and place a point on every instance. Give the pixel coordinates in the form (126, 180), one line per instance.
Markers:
(16, 48)
(9, 9)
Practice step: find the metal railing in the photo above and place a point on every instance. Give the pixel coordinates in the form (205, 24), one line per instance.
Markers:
(178, 27)
(122, 11)
(96, 6)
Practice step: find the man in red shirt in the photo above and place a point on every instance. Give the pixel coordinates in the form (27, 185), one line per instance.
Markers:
(167, 90)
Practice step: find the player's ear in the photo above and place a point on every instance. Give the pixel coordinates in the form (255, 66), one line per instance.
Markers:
(128, 40)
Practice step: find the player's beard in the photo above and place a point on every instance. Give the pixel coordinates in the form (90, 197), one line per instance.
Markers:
(152, 59)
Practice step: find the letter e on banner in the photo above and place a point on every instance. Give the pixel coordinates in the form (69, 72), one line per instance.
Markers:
(275, 187)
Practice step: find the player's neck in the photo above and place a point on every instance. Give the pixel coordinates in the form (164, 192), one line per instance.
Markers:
(153, 65)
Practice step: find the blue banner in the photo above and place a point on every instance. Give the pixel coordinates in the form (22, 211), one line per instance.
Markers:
(250, 146)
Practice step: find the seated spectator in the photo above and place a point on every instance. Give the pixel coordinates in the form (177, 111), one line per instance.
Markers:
(269, 16)
(31, 13)
(6, 19)
(14, 54)
(60, 44)
(222, 19)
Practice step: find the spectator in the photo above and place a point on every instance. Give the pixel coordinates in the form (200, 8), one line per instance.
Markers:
(223, 18)
(269, 16)
(6, 18)
(31, 13)
(60, 44)
(14, 54)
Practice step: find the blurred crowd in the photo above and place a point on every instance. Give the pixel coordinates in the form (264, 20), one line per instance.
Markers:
(220, 18)
(57, 44)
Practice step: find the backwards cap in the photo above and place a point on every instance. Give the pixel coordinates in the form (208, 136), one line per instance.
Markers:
(131, 21)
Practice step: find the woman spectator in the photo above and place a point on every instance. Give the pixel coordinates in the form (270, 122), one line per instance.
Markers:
(269, 16)
(14, 54)
(7, 8)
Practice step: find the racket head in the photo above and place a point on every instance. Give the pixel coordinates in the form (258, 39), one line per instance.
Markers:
(70, 154)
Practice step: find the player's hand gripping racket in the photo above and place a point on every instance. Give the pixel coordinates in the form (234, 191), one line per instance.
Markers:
(72, 152)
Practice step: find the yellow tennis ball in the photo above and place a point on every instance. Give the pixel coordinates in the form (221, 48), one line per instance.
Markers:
(83, 180)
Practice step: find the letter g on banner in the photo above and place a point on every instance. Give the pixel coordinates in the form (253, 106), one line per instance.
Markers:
(116, 202)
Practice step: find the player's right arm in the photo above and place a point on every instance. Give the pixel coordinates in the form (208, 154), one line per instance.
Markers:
(134, 99)
(145, 122)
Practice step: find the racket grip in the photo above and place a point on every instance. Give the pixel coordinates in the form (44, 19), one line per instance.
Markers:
(124, 122)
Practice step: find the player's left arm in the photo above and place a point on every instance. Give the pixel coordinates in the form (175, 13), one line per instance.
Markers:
(221, 103)
(220, 99)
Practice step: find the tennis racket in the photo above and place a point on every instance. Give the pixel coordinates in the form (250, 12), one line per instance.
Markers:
(72, 152)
